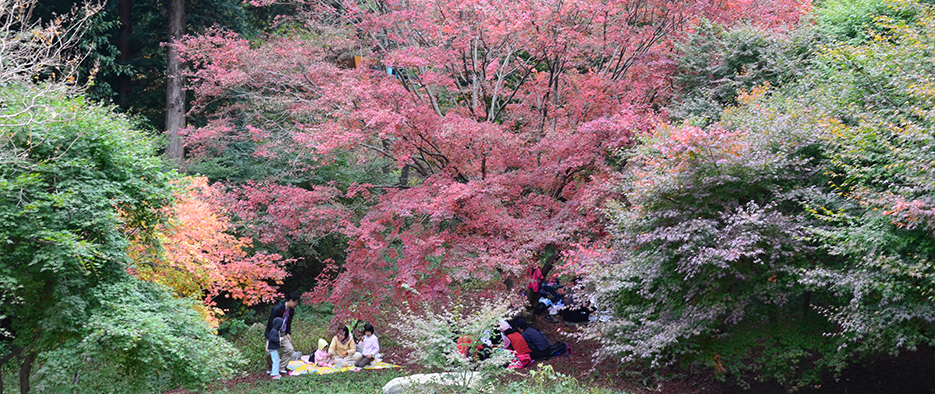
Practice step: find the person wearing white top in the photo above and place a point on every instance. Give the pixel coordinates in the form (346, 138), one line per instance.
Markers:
(369, 347)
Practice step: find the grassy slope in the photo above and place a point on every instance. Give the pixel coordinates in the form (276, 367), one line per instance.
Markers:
(347, 382)
(310, 325)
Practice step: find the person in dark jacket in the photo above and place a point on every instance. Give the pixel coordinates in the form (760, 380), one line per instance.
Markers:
(284, 310)
(273, 343)
(540, 347)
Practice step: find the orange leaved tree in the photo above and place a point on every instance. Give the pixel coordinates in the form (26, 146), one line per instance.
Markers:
(195, 254)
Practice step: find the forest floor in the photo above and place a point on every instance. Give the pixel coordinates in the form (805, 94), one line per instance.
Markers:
(910, 372)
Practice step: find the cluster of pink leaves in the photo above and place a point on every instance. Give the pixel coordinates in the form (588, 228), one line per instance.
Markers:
(276, 214)
(915, 214)
(769, 14)
(503, 112)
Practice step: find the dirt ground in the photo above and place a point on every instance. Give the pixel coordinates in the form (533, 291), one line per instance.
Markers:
(910, 372)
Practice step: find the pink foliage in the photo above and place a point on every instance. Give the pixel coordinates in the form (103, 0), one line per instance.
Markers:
(769, 14)
(913, 214)
(279, 214)
(504, 113)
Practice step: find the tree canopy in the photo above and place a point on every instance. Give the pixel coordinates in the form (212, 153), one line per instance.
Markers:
(795, 234)
(76, 178)
(745, 187)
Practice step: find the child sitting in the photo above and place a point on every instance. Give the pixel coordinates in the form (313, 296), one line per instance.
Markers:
(322, 359)
(369, 347)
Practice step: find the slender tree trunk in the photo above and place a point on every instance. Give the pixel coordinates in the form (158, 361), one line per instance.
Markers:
(546, 268)
(807, 303)
(4, 360)
(25, 370)
(124, 89)
(175, 96)
(403, 179)
(74, 381)
(549, 264)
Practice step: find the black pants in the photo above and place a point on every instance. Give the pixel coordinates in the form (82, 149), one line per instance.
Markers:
(576, 315)
(547, 353)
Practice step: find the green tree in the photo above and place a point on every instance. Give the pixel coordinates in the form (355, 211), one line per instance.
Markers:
(74, 179)
(795, 235)
(716, 63)
(877, 216)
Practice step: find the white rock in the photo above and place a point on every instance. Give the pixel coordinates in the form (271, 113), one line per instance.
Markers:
(401, 385)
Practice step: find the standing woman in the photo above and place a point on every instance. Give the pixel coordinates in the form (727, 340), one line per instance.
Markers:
(343, 350)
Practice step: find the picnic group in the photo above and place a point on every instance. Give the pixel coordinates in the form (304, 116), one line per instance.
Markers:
(516, 335)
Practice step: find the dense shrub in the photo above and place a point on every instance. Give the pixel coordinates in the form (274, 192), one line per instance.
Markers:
(794, 236)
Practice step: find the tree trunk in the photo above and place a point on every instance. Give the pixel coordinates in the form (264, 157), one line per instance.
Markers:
(175, 96)
(4, 360)
(807, 303)
(404, 176)
(25, 370)
(124, 89)
(549, 264)
(533, 297)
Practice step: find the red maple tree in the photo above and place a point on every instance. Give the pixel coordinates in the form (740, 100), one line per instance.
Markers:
(499, 118)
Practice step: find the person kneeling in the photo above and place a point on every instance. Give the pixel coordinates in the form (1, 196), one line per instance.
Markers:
(369, 347)
(343, 351)
(540, 347)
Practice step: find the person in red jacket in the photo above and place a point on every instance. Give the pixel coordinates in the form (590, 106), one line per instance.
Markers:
(517, 342)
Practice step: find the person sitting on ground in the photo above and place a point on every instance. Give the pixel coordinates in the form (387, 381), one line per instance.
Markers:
(540, 347)
(515, 341)
(579, 313)
(273, 343)
(504, 326)
(343, 350)
(576, 311)
(322, 359)
(369, 347)
(463, 344)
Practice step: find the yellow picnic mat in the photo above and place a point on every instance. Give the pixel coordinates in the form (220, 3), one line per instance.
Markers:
(301, 367)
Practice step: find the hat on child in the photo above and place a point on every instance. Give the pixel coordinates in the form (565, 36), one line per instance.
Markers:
(504, 326)
(322, 344)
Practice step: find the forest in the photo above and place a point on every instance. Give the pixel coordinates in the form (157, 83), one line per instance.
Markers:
(741, 192)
